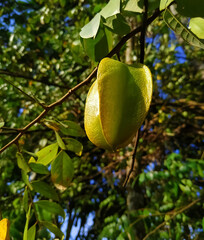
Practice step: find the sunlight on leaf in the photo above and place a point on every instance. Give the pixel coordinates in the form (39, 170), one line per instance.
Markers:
(164, 4)
(46, 155)
(197, 27)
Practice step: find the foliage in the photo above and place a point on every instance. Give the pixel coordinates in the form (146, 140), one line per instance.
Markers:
(52, 178)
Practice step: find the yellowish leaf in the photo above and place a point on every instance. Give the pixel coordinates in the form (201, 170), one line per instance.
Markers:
(4, 229)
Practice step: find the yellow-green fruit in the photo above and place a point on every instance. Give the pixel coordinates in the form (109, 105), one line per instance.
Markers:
(117, 103)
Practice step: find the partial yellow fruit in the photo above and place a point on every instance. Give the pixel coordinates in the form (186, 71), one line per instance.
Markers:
(117, 103)
(4, 229)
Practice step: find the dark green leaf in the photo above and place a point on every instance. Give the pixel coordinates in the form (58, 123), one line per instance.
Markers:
(181, 30)
(117, 24)
(51, 207)
(62, 3)
(38, 168)
(45, 189)
(62, 170)
(71, 128)
(190, 8)
(53, 228)
(73, 145)
(99, 47)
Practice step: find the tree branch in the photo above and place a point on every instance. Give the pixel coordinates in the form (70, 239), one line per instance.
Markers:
(32, 99)
(49, 107)
(85, 82)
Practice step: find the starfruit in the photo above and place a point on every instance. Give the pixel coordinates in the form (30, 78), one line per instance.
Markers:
(117, 103)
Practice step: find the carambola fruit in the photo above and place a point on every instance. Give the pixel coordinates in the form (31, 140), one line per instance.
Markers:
(117, 103)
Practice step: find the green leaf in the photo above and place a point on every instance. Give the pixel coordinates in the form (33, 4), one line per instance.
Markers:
(45, 189)
(141, 178)
(203, 223)
(25, 199)
(90, 29)
(22, 164)
(53, 228)
(2, 123)
(166, 207)
(74, 146)
(112, 8)
(46, 155)
(200, 171)
(99, 47)
(60, 141)
(51, 207)
(31, 232)
(184, 189)
(62, 171)
(196, 25)
(132, 6)
(181, 30)
(164, 4)
(117, 24)
(43, 215)
(71, 128)
(26, 179)
(62, 3)
(39, 168)
(25, 233)
(190, 8)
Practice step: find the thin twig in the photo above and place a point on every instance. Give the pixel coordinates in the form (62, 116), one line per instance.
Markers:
(176, 213)
(133, 158)
(24, 93)
(85, 82)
